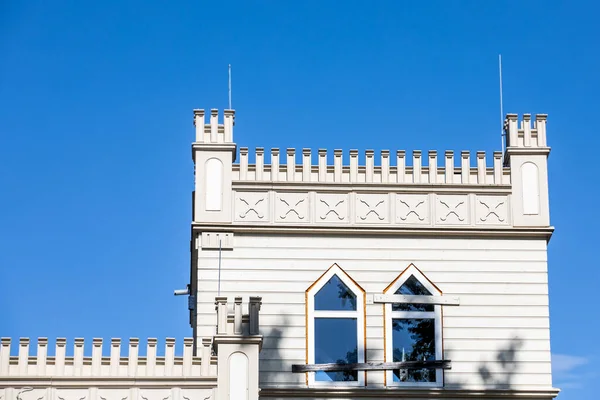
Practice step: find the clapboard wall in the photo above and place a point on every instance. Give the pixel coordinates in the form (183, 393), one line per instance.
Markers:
(498, 338)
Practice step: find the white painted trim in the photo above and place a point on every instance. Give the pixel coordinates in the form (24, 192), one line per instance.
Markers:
(475, 232)
(436, 314)
(359, 314)
(399, 298)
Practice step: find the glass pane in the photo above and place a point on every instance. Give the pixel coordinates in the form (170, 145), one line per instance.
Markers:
(414, 340)
(335, 295)
(336, 342)
(412, 286)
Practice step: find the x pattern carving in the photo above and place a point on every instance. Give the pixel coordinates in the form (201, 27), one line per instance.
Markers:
(251, 206)
(291, 209)
(452, 209)
(191, 396)
(157, 396)
(29, 389)
(412, 208)
(332, 209)
(372, 205)
(491, 209)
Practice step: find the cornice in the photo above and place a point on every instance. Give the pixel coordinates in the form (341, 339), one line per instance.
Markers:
(354, 230)
(419, 393)
(236, 339)
(190, 382)
(327, 187)
(197, 146)
(525, 151)
(214, 146)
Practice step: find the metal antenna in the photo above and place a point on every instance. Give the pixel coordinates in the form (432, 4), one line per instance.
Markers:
(219, 284)
(230, 87)
(501, 104)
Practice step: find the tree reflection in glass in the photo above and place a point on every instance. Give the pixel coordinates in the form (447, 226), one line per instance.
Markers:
(335, 296)
(335, 335)
(335, 342)
(414, 340)
(412, 287)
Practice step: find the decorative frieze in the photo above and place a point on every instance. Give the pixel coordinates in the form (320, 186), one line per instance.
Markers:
(491, 210)
(332, 208)
(373, 209)
(452, 210)
(251, 206)
(291, 207)
(412, 209)
(75, 394)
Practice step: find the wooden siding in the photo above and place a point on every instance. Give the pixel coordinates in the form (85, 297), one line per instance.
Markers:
(502, 286)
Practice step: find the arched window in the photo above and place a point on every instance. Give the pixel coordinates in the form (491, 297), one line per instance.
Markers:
(335, 327)
(413, 332)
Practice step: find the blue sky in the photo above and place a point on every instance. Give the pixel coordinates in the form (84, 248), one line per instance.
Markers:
(96, 125)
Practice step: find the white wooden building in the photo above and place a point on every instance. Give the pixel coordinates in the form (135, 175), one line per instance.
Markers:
(417, 279)
(472, 236)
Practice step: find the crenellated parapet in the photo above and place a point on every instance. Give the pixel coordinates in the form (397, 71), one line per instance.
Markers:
(400, 191)
(523, 133)
(99, 371)
(213, 153)
(96, 364)
(213, 131)
(420, 169)
(527, 157)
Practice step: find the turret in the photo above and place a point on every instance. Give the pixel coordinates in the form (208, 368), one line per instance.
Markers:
(527, 156)
(213, 153)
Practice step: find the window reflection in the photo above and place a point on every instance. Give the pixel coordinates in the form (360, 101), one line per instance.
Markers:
(335, 342)
(414, 340)
(335, 296)
(412, 287)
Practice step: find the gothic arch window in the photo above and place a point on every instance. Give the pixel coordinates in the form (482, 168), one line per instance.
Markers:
(335, 327)
(413, 332)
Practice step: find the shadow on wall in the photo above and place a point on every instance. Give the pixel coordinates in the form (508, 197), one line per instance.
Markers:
(497, 373)
(271, 350)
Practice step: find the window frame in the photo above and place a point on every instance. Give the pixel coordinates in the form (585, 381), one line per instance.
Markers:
(359, 314)
(390, 315)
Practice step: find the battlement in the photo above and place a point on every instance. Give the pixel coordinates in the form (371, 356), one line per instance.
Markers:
(117, 364)
(403, 191)
(213, 132)
(285, 167)
(391, 170)
(523, 134)
(232, 328)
